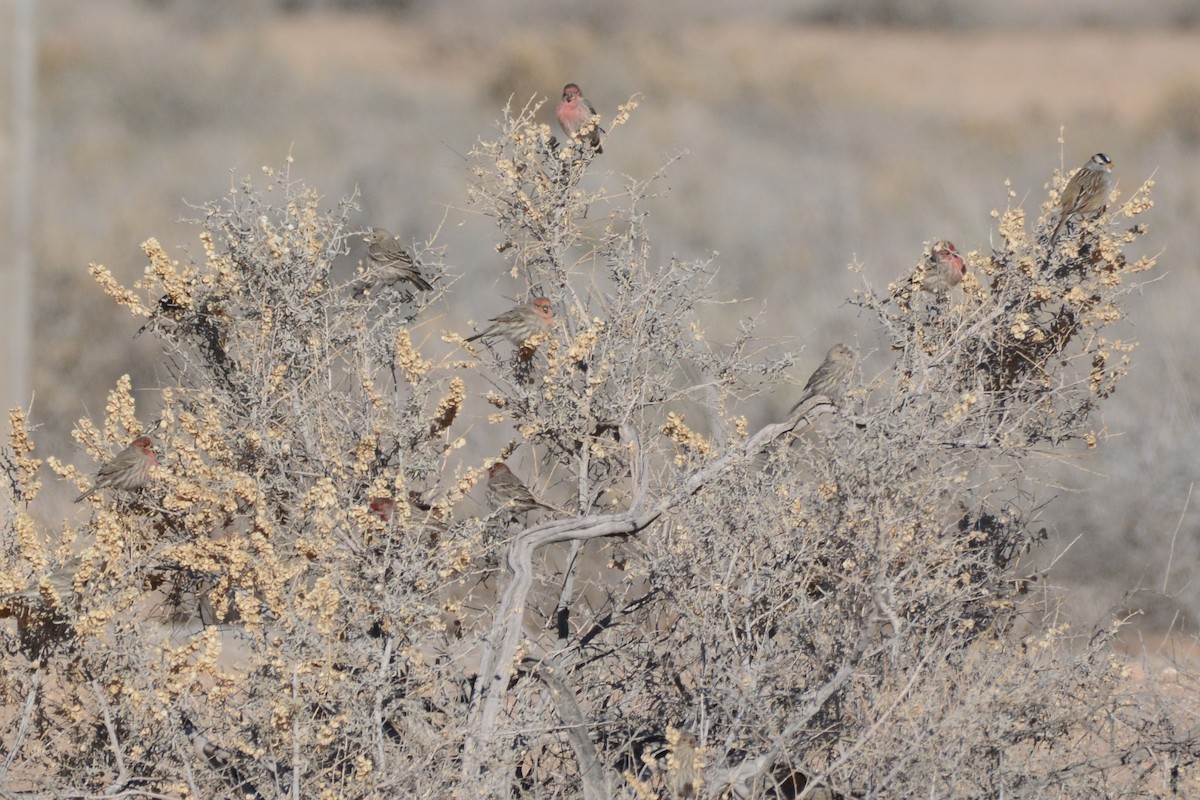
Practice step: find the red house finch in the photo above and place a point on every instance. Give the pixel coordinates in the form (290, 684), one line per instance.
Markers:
(574, 112)
(129, 470)
(831, 377)
(382, 507)
(1086, 193)
(505, 490)
(432, 523)
(944, 267)
(520, 322)
(392, 260)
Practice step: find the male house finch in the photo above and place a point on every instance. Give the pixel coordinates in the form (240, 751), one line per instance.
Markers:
(520, 322)
(393, 261)
(505, 490)
(574, 112)
(944, 267)
(831, 377)
(128, 470)
(382, 507)
(1086, 193)
(432, 523)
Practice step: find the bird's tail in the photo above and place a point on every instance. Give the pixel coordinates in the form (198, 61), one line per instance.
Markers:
(1054, 236)
(807, 396)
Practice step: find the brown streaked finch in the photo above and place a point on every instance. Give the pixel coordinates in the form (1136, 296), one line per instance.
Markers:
(520, 322)
(829, 379)
(574, 112)
(1086, 193)
(129, 470)
(944, 267)
(505, 491)
(393, 262)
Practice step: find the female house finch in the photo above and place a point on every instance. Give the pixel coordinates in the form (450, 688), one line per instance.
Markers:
(944, 267)
(129, 470)
(1086, 193)
(831, 377)
(574, 112)
(505, 491)
(520, 322)
(392, 260)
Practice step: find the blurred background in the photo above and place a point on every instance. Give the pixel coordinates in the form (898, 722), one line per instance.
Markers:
(817, 133)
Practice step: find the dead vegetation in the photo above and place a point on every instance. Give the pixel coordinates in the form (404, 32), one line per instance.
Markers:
(832, 605)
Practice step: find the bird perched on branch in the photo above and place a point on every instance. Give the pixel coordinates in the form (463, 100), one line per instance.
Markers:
(520, 322)
(430, 518)
(829, 379)
(129, 470)
(392, 261)
(506, 491)
(944, 267)
(574, 112)
(382, 507)
(1086, 193)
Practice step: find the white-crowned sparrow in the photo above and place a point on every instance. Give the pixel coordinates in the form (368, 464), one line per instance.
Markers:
(1086, 193)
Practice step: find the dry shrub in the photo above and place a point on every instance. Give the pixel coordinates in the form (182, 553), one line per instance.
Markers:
(833, 604)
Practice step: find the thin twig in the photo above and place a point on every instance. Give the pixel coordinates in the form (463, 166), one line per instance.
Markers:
(1175, 536)
(23, 727)
(122, 774)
